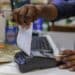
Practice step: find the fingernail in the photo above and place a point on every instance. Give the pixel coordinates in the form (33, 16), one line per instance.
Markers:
(71, 69)
(58, 58)
(69, 64)
(62, 67)
(64, 59)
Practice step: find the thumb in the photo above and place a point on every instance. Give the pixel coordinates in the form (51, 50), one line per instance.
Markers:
(67, 52)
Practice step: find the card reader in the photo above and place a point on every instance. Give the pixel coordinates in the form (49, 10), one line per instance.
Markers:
(41, 57)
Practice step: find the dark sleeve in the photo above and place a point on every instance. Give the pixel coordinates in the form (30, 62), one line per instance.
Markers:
(65, 9)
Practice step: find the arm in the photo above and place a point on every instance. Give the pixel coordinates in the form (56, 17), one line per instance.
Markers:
(58, 11)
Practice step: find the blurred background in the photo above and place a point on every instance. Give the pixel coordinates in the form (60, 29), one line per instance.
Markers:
(8, 29)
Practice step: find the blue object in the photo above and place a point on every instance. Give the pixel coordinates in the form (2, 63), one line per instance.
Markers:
(65, 9)
(37, 25)
(20, 60)
(57, 1)
(11, 33)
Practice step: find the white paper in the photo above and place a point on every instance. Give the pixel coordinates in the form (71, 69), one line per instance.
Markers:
(24, 39)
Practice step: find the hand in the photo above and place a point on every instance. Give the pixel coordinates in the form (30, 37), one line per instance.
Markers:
(28, 13)
(68, 58)
(25, 15)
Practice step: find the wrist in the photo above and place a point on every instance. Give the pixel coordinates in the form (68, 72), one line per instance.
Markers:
(48, 12)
